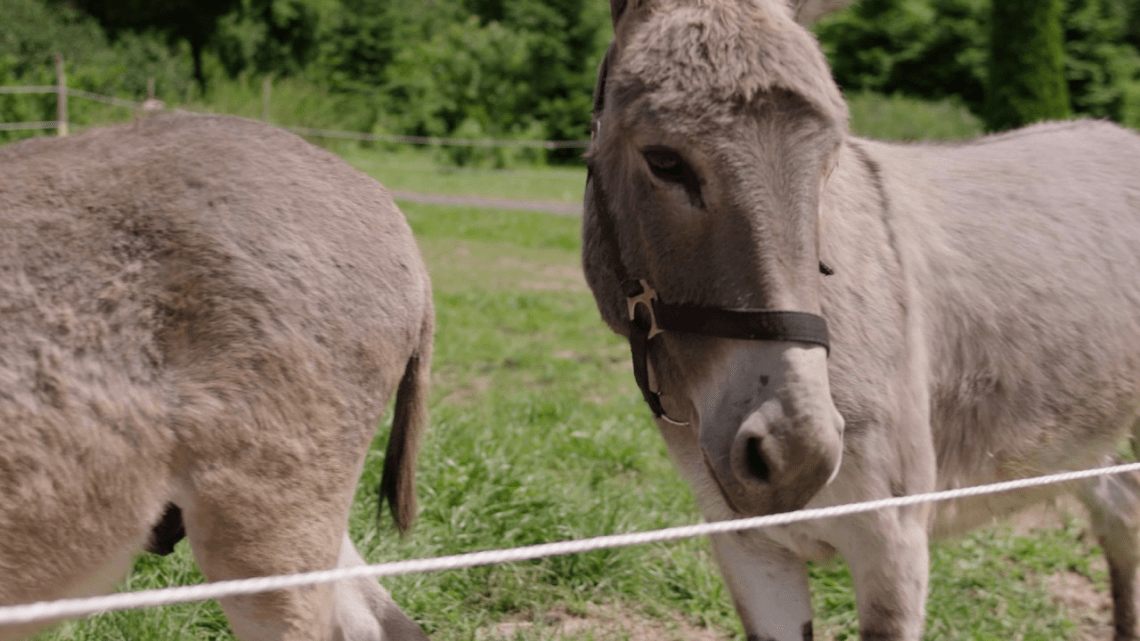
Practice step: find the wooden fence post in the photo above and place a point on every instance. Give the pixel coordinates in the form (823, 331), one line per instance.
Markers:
(60, 97)
(266, 87)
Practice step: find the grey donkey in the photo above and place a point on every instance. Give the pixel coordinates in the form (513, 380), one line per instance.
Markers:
(819, 319)
(203, 319)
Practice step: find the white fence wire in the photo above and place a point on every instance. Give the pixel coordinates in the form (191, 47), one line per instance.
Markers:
(301, 131)
(51, 610)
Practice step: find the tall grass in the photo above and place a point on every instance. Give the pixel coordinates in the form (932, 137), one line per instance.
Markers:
(295, 102)
(907, 119)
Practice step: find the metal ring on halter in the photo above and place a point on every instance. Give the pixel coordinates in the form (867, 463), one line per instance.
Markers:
(640, 333)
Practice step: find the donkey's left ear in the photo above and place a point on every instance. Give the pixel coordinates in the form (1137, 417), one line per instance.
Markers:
(807, 12)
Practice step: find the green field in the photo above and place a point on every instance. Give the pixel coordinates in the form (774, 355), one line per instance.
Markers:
(538, 434)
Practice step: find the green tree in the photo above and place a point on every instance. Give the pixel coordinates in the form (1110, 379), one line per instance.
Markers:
(192, 21)
(930, 49)
(279, 37)
(1101, 66)
(506, 68)
(1027, 64)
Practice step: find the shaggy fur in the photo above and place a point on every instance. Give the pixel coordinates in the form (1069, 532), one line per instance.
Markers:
(208, 313)
(984, 312)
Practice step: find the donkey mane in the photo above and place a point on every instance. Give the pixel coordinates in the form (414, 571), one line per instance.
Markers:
(699, 57)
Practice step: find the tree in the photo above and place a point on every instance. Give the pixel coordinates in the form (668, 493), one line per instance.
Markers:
(1101, 66)
(930, 49)
(279, 37)
(1027, 64)
(194, 21)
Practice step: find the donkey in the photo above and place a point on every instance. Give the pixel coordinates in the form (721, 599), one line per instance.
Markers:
(819, 319)
(203, 318)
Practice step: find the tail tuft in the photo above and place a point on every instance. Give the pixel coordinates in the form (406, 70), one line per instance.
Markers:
(398, 483)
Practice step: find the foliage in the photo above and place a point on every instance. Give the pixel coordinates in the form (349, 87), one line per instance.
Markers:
(279, 37)
(931, 49)
(1027, 64)
(1102, 68)
(935, 49)
(898, 117)
(522, 69)
(191, 21)
(121, 68)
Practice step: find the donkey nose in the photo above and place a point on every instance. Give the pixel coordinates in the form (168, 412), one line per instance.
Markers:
(776, 463)
(755, 463)
(756, 455)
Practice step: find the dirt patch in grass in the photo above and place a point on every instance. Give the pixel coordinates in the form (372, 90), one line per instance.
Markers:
(599, 623)
(470, 392)
(1086, 604)
(1089, 608)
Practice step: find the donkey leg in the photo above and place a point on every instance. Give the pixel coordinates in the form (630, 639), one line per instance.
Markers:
(364, 611)
(1114, 509)
(887, 552)
(236, 537)
(769, 586)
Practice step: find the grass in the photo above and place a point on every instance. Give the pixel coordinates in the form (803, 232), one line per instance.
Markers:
(416, 170)
(538, 434)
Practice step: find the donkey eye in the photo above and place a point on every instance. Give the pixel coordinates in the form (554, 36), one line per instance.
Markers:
(666, 164)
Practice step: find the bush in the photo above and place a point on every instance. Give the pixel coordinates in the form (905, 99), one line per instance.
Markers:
(930, 49)
(1101, 67)
(32, 33)
(935, 49)
(909, 119)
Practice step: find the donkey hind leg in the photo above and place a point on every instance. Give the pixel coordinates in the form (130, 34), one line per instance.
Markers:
(1114, 510)
(363, 609)
(232, 539)
(769, 585)
(889, 558)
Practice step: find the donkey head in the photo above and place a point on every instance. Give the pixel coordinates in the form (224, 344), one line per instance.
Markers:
(716, 126)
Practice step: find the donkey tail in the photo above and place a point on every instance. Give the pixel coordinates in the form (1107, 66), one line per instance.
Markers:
(398, 483)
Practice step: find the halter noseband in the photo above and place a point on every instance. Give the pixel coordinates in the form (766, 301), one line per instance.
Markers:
(650, 316)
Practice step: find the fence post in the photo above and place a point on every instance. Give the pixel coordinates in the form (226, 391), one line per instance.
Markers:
(60, 97)
(266, 87)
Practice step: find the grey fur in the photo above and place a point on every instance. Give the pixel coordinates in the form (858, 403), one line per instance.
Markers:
(212, 313)
(984, 312)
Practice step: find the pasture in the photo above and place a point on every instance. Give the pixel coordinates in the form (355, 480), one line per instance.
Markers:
(538, 433)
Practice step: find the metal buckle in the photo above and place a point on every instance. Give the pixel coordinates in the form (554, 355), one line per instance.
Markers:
(646, 297)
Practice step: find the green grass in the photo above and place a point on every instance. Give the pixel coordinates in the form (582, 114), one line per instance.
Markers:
(538, 434)
(416, 170)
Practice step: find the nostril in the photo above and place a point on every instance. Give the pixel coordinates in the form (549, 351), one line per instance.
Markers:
(756, 463)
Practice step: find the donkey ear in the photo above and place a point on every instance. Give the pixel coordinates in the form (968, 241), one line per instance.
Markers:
(808, 11)
(617, 7)
(600, 88)
(622, 10)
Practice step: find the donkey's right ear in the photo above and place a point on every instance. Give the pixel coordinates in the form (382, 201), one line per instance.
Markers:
(603, 74)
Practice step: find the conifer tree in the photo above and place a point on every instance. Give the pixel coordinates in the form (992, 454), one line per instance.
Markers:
(1027, 64)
